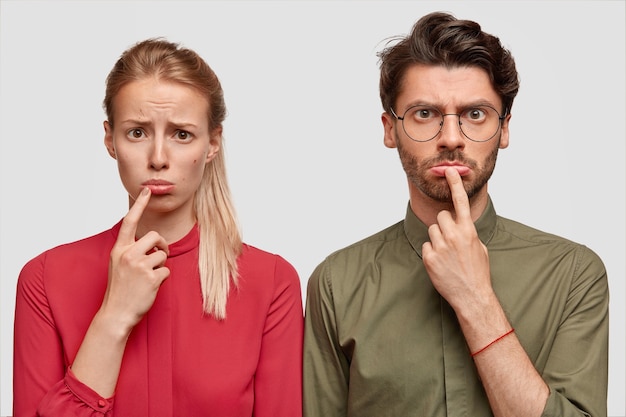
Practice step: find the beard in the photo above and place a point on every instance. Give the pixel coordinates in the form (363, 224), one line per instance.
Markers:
(438, 188)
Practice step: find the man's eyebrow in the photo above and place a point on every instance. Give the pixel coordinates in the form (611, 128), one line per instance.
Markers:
(463, 105)
(420, 103)
(479, 103)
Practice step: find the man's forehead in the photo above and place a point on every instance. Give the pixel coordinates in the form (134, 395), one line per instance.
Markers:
(442, 86)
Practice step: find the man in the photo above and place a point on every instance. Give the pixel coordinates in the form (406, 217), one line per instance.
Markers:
(454, 311)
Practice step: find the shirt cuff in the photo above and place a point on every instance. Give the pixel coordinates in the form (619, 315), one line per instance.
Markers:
(559, 406)
(87, 395)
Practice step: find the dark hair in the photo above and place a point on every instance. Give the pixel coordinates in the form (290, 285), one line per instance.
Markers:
(441, 39)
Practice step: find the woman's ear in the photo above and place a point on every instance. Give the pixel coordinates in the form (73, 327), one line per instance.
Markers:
(215, 142)
(108, 139)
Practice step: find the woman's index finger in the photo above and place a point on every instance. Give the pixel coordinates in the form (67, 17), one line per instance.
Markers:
(128, 230)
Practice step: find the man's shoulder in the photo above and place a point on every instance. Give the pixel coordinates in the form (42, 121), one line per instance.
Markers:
(344, 267)
(371, 243)
(357, 258)
(512, 229)
(515, 235)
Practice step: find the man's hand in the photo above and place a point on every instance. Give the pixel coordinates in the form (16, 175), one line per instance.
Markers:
(455, 258)
(136, 269)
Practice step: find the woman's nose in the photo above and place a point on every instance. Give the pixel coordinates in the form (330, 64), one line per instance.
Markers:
(158, 154)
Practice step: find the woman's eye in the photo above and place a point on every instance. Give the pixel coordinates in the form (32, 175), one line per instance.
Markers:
(136, 133)
(183, 135)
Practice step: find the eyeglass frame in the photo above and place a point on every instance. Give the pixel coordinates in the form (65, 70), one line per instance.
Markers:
(500, 119)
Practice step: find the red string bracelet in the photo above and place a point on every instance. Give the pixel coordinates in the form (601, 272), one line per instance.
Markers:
(493, 342)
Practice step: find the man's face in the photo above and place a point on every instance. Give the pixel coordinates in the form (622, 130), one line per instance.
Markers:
(450, 91)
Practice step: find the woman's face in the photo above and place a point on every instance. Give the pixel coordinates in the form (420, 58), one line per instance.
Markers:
(161, 140)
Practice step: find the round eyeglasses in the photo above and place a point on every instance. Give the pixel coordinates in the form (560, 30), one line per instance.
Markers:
(477, 123)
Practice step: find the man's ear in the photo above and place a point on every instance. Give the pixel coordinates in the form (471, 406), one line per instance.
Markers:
(504, 137)
(389, 126)
(215, 142)
(108, 139)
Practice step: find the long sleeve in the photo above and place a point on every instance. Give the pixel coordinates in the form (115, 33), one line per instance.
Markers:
(577, 369)
(325, 366)
(277, 382)
(42, 383)
(178, 360)
(379, 339)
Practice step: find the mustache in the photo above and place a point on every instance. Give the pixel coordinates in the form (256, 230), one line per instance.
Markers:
(450, 156)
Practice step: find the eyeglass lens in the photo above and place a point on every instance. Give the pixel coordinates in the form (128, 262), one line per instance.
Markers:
(477, 123)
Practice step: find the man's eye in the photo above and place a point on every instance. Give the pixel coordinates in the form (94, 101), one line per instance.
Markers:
(475, 114)
(424, 114)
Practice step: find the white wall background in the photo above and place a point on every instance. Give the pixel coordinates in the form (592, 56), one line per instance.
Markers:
(306, 161)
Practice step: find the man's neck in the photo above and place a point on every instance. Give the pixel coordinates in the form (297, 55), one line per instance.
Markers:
(426, 209)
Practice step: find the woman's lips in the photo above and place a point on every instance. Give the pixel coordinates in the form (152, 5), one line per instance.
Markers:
(159, 187)
(440, 170)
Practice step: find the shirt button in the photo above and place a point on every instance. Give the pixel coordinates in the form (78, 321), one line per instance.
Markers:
(102, 403)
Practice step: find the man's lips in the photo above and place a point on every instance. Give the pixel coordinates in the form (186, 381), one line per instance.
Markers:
(158, 187)
(440, 170)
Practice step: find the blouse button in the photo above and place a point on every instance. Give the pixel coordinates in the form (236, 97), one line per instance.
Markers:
(102, 403)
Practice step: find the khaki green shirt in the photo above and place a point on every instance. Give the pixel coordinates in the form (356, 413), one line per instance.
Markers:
(380, 341)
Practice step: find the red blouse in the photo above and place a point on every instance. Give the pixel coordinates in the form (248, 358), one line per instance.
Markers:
(178, 361)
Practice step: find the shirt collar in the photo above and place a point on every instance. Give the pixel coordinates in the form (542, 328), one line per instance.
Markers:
(417, 232)
(183, 245)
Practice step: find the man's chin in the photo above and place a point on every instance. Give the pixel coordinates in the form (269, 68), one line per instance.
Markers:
(442, 197)
(440, 193)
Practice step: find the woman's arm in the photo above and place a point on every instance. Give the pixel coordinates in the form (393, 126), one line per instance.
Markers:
(136, 271)
(278, 380)
(37, 353)
(43, 384)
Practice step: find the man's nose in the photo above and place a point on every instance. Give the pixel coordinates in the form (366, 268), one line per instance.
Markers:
(450, 135)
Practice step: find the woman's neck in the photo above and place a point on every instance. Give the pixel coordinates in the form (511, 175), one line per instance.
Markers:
(172, 225)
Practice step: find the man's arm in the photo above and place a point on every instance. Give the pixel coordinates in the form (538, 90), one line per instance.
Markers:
(326, 370)
(577, 368)
(458, 265)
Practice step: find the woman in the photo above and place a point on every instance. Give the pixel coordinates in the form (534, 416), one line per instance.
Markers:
(167, 313)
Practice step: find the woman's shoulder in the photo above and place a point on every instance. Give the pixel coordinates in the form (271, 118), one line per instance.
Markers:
(270, 279)
(84, 245)
(253, 260)
(84, 251)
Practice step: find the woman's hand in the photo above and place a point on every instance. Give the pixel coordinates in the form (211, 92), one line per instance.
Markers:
(136, 269)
